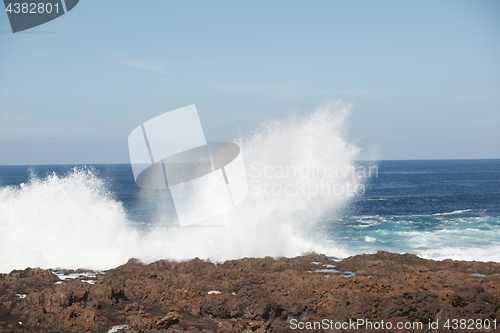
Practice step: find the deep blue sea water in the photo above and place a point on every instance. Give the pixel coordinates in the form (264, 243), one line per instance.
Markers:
(436, 208)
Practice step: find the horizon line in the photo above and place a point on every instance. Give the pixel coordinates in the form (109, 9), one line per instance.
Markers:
(367, 160)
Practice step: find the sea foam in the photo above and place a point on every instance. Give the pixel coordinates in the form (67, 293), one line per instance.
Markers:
(73, 221)
(65, 222)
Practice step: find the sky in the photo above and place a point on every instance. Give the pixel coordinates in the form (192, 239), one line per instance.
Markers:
(423, 77)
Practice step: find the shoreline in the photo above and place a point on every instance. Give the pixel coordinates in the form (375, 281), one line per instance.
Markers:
(252, 295)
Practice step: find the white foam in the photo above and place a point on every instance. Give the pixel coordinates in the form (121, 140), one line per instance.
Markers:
(326, 270)
(62, 275)
(455, 212)
(461, 253)
(60, 221)
(116, 328)
(72, 221)
(214, 292)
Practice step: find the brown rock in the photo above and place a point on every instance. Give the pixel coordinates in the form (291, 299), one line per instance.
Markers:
(167, 321)
(256, 295)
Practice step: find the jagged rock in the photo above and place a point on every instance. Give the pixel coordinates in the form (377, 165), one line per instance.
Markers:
(167, 321)
(250, 295)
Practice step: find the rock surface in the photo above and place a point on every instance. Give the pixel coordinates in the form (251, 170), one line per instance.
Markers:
(251, 295)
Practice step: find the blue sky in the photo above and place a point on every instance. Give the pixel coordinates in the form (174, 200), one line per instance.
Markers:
(423, 77)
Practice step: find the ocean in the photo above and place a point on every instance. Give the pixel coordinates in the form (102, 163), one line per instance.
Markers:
(436, 209)
(307, 193)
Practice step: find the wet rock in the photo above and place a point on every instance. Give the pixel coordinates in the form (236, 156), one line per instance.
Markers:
(249, 295)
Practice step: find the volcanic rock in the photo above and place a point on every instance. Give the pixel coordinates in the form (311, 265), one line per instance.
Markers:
(253, 295)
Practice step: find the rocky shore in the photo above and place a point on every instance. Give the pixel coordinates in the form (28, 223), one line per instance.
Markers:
(256, 295)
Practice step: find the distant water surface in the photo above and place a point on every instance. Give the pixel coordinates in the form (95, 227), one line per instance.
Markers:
(436, 209)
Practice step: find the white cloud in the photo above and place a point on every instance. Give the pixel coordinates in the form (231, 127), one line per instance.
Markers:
(157, 67)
